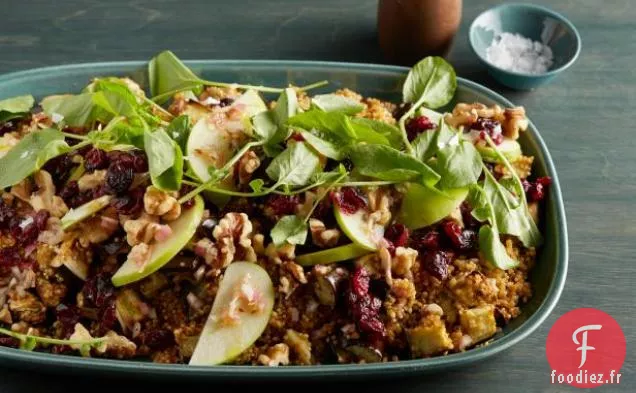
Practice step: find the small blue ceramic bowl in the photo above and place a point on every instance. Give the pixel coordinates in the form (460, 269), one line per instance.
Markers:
(531, 21)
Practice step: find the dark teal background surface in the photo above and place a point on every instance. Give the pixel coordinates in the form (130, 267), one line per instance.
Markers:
(585, 116)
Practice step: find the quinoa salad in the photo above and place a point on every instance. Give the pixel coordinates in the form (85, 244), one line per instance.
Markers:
(207, 223)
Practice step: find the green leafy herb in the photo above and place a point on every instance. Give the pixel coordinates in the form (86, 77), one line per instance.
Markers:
(459, 164)
(338, 128)
(83, 110)
(168, 75)
(385, 163)
(286, 106)
(76, 110)
(431, 82)
(15, 108)
(179, 130)
(290, 229)
(493, 250)
(322, 145)
(391, 133)
(489, 241)
(294, 166)
(30, 154)
(257, 185)
(117, 135)
(165, 160)
(367, 134)
(293, 229)
(264, 125)
(337, 103)
(511, 215)
(428, 143)
(334, 123)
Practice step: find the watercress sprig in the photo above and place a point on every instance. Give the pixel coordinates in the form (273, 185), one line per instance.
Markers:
(28, 342)
(431, 82)
(15, 107)
(292, 228)
(168, 75)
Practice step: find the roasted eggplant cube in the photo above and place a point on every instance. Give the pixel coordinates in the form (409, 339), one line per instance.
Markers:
(429, 338)
(479, 323)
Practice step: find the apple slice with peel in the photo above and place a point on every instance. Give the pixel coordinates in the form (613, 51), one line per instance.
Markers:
(182, 228)
(332, 255)
(423, 206)
(84, 211)
(510, 148)
(240, 313)
(250, 104)
(210, 147)
(358, 228)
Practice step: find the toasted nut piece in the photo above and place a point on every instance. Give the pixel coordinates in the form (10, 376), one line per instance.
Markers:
(515, 121)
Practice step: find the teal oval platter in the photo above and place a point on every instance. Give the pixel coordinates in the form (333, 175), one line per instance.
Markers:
(547, 277)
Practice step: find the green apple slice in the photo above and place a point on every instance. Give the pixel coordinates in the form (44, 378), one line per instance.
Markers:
(85, 211)
(423, 206)
(358, 229)
(182, 228)
(207, 147)
(332, 255)
(510, 148)
(221, 341)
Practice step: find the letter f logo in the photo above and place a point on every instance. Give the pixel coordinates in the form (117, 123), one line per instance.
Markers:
(584, 347)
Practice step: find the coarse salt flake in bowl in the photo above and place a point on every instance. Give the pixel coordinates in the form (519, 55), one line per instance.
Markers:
(524, 46)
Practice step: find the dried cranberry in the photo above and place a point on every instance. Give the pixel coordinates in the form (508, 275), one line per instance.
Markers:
(10, 342)
(159, 339)
(418, 125)
(323, 208)
(119, 177)
(60, 168)
(6, 214)
(429, 240)
(297, 137)
(226, 101)
(95, 159)
(467, 216)
(282, 204)
(41, 217)
(98, 290)
(108, 317)
(25, 230)
(139, 161)
(398, 234)
(130, 204)
(349, 200)
(436, 263)
(73, 197)
(67, 316)
(461, 239)
(535, 191)
(364, 306)
(69, 191)
(488, 127)
(360, 281)
(9, 256)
